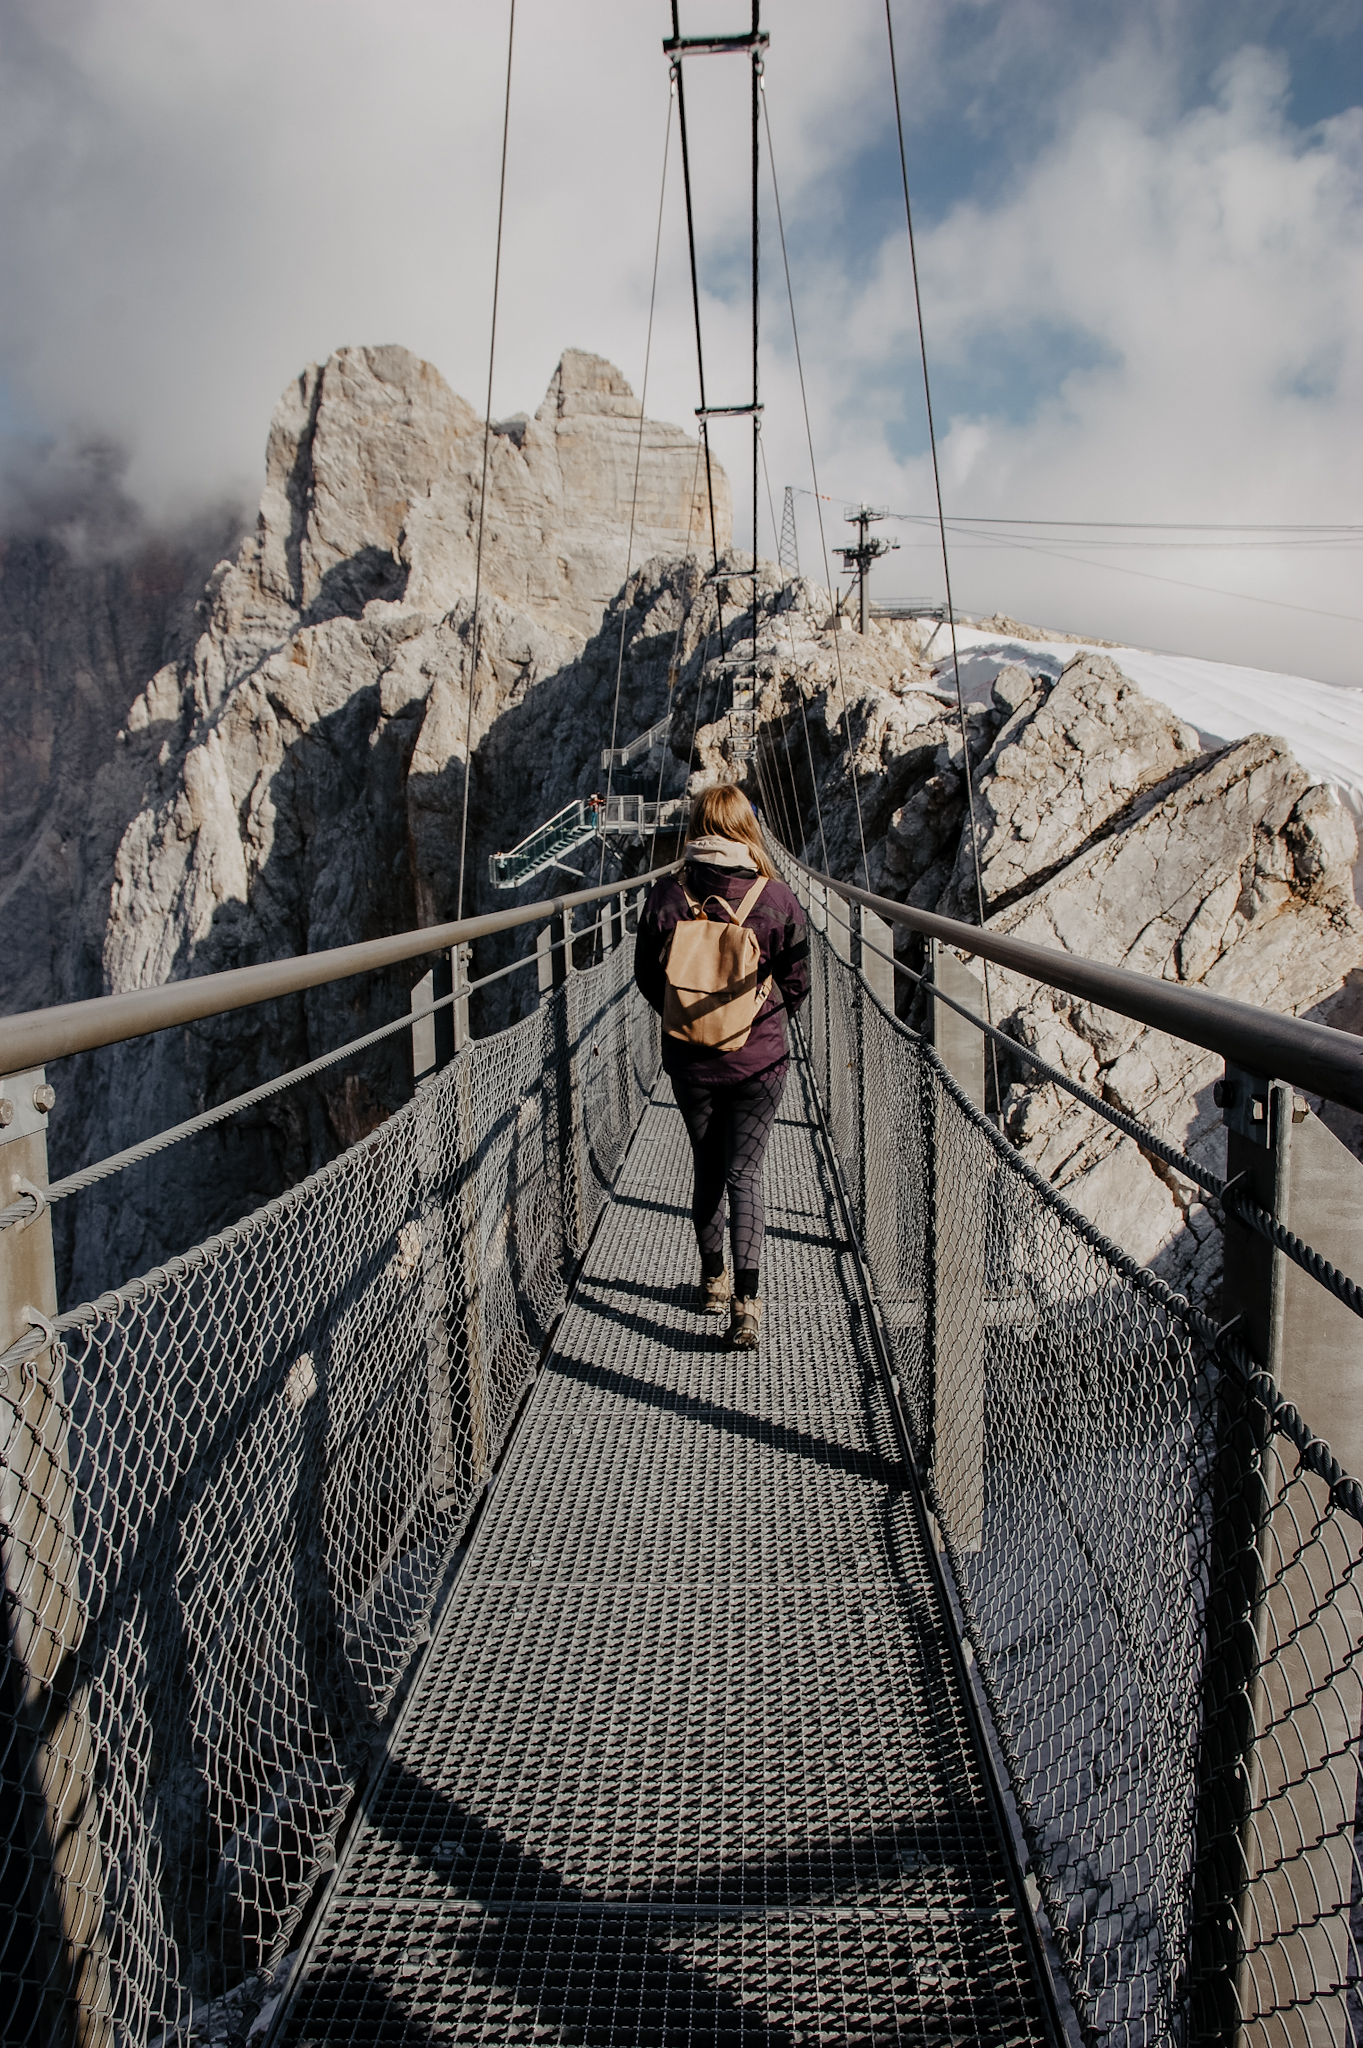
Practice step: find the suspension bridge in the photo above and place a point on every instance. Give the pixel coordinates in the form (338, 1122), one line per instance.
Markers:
(419, 1627)
(408, 1584)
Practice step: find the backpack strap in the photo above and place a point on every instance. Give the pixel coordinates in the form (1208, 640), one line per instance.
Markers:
(736, 914)
(745, 908)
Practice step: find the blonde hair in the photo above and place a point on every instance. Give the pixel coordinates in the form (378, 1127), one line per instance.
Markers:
(725, 813)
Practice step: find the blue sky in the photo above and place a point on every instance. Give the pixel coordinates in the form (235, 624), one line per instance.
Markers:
(1140, 229)
(994, 104)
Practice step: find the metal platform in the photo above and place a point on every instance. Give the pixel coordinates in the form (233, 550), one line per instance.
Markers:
(576, 825)
(688, 1758)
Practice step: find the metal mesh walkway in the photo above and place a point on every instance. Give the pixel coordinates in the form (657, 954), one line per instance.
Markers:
(688, 1757)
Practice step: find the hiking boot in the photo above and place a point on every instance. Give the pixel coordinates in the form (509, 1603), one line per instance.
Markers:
(714, 1295)
(745, 1324)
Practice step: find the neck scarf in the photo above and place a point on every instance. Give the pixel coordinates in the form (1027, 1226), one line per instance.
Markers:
(721, 853)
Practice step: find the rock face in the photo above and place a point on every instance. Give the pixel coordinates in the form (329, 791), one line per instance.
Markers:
(373, 480)
(293, 777)
(1067, 764)
(1234, 876)
(1102, 828)
(81, 628)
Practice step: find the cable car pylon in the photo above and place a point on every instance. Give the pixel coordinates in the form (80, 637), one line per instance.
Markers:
(857, 559)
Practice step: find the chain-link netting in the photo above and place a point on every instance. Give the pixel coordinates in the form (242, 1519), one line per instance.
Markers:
(1163, 1599)
(231, 1491)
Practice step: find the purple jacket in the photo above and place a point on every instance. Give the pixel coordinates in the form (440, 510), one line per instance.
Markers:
(778, 924)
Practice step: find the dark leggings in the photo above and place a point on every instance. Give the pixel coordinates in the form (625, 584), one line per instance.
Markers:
(729, 1128)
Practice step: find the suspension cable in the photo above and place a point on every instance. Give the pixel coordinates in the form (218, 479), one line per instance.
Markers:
(756, 415)
(487, 447)
(814, 472)
(771, 750)
(775, 780)
(687, 605)
(695, 306)
(794, 664)
(626, 606)
(942, 536)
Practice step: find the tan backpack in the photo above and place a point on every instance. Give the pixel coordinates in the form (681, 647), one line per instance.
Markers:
(713, 991)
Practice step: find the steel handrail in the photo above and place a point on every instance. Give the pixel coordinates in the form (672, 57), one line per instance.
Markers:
(1314, 1057)
(31, 1038)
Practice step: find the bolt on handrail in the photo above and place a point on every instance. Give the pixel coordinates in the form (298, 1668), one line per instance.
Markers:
(1316, 1057)
(31, 1038)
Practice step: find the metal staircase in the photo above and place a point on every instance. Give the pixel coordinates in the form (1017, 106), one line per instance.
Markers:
(576, 825)
(636, 749)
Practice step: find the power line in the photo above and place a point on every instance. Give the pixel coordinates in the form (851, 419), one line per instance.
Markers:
(1341, 543)
(1319, 539)
(1178, 582)
(1144, 525)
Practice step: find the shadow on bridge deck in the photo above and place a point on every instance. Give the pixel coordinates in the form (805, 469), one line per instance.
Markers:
(687, 1759)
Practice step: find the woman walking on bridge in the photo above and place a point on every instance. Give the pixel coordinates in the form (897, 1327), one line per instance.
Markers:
(720, 988)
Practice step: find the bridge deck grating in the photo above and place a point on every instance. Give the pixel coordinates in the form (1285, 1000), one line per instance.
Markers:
(687, 1759)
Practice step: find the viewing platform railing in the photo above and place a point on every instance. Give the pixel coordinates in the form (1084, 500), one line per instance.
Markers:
(576, 825)
(636, 749)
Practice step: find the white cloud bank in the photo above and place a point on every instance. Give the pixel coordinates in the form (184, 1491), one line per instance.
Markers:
(1213, 264)
(196, 200)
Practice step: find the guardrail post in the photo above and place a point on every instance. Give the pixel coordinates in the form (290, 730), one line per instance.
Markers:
(958, 1213)
(546, 967)
(435, 1041)
(557, 979)
(1283, 1695)
(880, 1194)
(433, 1037)
(461, 961)
(877, 958)
(49, 1772)
(839, 921)
(473, 1258)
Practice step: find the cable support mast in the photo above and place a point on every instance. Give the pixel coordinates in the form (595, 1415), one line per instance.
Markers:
(677, 47)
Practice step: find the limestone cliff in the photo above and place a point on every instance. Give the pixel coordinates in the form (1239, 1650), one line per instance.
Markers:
(1103, 828)
(83, 623)
(293, 777)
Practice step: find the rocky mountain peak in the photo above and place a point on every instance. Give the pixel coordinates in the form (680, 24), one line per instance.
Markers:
(373, 488)
(585, 384)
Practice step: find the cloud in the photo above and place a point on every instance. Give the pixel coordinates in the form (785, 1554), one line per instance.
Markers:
(1179, 295)
(197, 200)
(1141, 270)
